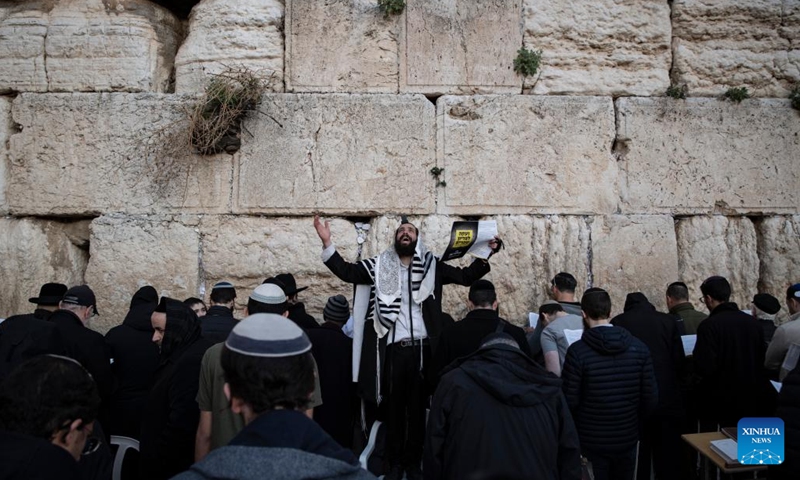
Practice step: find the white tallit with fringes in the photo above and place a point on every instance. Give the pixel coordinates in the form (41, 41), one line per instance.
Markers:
(382, 301)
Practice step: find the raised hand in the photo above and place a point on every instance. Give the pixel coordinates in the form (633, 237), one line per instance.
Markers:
(323, 230)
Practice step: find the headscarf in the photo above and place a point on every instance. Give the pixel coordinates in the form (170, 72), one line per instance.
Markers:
(143, 303)
(182, 327)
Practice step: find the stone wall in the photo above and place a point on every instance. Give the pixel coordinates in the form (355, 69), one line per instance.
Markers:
(587, 167)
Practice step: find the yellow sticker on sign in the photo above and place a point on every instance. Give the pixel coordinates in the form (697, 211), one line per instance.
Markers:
(463, 238)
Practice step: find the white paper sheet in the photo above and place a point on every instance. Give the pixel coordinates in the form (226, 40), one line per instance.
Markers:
(533, 319)
(689, 342)
(777, 385)
(487, 230)
(572, 336)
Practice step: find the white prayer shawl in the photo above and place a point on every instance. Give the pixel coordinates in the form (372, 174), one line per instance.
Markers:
(381, 301)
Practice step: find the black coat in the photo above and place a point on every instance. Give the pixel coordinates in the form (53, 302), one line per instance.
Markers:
(333, 352)
(431, 311)
(789, 411)
(135, 363)
(217, 324)
(23, 457)
(466, 336)
(499, 414)
(729, 356)
(26, 336)
(88, 348)
(298, 314)
(610, 388)
(171, 414)
(659, 331)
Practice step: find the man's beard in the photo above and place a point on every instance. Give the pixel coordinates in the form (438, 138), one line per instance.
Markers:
(405, 250)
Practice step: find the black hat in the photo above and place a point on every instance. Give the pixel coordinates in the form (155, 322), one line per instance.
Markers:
(50, 294)
(81, 295)
(288, 284)
(767, 303)
(336, 310)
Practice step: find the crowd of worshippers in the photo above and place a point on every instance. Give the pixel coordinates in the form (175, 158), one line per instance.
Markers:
(388, 384)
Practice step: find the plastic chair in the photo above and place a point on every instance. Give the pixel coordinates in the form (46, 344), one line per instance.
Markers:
(124, 443)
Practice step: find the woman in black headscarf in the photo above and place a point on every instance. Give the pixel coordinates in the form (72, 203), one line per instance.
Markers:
(171, 415)
(135, 360)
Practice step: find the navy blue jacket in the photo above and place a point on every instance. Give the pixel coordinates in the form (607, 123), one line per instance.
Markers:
(610, 388)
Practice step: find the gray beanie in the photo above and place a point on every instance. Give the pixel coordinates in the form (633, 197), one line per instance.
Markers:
(336, 310)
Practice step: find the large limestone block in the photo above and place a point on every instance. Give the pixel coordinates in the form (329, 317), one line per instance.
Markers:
(111, 45)
(342, 46)
(636, 253)
(718, 245)
(23, 29)
(338, 153)
(722, 44)
(222, 35)
(606, 47)
(128, 253)
(705, 155)
(80, 154)
(561, 243)
(5, 132)
(35, 252)
(526, 154)
(460, 47)
(779, 255)
(87, 45)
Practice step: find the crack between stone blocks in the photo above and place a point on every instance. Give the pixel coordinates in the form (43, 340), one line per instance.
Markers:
(589, 258)
(44, 53)
(671, 43)
(201, 272)
(311, 162)
(619, 150)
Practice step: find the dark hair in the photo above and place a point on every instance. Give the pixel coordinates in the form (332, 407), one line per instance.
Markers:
(482, 293)
(550, 308)
(596, 304)
(717, 288)
(223, 295)
(254, 307)
(564, 282)
(678, 291)
(42, 395)
(192, 301)
(265, 383)
(792, 291)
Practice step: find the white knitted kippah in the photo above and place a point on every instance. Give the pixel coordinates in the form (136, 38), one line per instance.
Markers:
(268, 335)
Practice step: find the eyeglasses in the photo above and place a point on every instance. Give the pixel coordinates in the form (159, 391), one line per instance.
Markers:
(92, 445)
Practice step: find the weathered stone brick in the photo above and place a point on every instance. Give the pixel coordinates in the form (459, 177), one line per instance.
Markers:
(526, 154)
(340, 154)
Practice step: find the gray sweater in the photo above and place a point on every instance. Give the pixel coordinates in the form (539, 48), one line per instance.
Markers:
(252, 463)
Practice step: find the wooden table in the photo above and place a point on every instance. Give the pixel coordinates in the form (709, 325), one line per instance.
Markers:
(702, 443)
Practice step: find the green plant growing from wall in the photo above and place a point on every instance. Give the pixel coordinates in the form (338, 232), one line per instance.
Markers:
(391, 7)
(527, 62)
(794, 96)
(677, 91)
(437, 172)
(736, 94)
